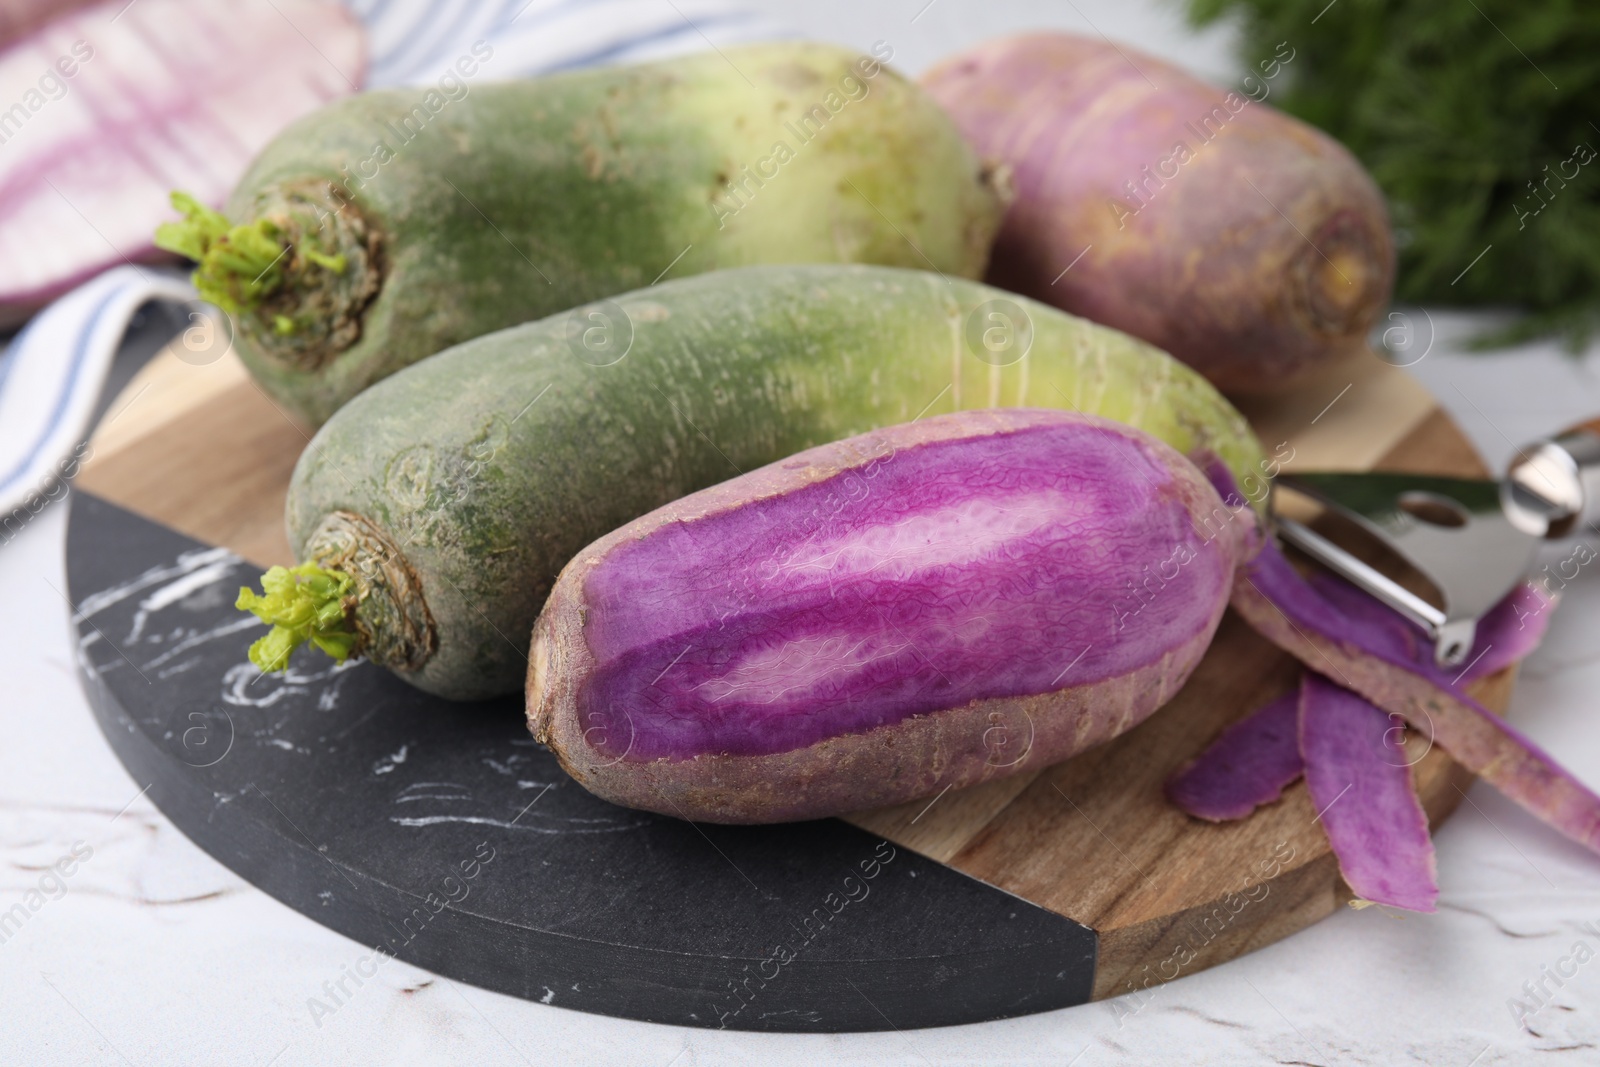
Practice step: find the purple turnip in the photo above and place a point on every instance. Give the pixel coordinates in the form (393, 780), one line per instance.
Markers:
(1242, 241)
(926, 606)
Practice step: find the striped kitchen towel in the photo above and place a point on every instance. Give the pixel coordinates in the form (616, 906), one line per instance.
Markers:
(413, 42)
(52, 372)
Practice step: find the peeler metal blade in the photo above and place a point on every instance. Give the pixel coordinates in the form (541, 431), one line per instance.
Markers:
(1453, 530)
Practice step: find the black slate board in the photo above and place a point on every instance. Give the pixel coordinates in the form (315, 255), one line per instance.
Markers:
(444, 834)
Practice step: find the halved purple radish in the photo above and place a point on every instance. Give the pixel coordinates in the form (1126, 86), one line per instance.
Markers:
(926, 606)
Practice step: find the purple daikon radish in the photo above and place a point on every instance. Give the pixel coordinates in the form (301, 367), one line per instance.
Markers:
(1251, 246)
(104, 111)
(923, 607)
(1360, 784)
(1250, 764)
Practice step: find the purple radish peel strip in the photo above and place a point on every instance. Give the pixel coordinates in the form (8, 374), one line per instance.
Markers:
(1255, 759)
(1284, 608)
(1360, 783)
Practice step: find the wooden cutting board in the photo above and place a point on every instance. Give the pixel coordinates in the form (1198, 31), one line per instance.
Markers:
(201, 450)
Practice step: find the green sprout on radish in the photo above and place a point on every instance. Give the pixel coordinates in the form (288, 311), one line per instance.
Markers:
(240, 267)
(304, 604)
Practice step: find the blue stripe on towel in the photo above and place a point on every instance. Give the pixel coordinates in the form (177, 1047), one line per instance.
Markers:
(448, 45)
(413, 40)
(80, 350)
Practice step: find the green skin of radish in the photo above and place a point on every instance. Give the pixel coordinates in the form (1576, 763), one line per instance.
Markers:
(453, 493)
(521, 199)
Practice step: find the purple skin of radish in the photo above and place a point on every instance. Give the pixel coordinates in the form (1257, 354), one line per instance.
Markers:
(926, 606)
(1255, 759)
(1352, 752)
(1285, 609)
(1250, 764)
(1345, 742)
(1360, 783)
(1506, 634)
(1246, 243)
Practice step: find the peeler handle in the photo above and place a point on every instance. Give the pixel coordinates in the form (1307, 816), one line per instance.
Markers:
(1552, 488)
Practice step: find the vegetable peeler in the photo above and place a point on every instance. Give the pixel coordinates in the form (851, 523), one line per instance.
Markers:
(1474, 539)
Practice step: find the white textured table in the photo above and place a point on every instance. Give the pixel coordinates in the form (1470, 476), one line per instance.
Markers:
(150, 953)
